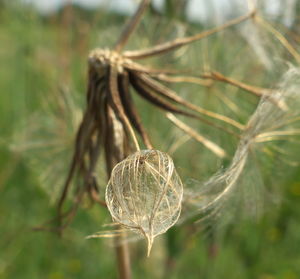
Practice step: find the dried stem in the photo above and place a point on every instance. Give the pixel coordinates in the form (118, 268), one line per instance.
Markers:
(130, 110)
(154, 97)
(180, 79)
(279, 37)
(130, 27)
(220, 152)
(257, 91)
(171, 95)
(116, 100)
(115, 153)
(252, 89)
(162, 48)
(123, 257)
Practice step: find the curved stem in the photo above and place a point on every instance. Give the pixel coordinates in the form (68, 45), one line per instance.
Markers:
(114, 92)
(130, 27)
(113, 154)
(171, 95)
(131, 112)
(179, 42)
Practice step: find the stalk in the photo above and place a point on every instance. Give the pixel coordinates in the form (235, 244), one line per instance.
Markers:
(115, 152)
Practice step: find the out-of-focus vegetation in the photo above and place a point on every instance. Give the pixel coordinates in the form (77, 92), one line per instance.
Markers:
(42, 83)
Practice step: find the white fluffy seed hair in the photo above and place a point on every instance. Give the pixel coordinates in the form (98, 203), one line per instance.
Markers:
(270, 121)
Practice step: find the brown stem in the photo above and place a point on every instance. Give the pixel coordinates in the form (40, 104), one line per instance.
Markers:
(131, 112)
(179, 42)
(149, 94)
(220, 152)
(117, 104)
(113, 154)
(130, 27)
(171, 95)
(257, 91)
(252, 89)
(123, 257)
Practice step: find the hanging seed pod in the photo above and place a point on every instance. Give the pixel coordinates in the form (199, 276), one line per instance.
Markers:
(144, 193)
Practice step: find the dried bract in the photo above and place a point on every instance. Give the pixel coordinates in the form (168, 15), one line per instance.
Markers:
(144, 193)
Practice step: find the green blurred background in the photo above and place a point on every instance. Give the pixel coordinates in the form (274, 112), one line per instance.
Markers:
(42, 85)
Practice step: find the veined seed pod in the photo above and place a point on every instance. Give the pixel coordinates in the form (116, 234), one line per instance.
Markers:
(144, 193)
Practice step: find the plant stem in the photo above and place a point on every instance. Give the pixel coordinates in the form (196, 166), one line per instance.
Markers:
(115, 154)
(123, 257)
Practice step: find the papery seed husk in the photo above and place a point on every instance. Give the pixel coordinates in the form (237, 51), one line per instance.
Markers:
(144, 193)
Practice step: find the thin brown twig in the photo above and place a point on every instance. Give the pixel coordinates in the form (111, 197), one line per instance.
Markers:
(117, 103)
(147, 93)
(171, 95)
(130, 110)
(115, 153)
(217, 150)
(179, 42)
(257, 91)
(181, 79)
(130, 27)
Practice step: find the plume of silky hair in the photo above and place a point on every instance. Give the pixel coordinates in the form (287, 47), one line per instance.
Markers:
(45, 140)
(259, 42)
(271, 121)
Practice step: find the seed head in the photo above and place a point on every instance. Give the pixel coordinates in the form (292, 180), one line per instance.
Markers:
(144, 193)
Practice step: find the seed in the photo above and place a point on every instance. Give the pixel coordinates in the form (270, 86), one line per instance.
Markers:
(144, 193)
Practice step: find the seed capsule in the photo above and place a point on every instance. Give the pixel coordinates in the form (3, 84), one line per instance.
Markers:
(144, 193)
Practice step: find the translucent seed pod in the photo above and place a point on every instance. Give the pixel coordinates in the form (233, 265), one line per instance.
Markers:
(144, 193)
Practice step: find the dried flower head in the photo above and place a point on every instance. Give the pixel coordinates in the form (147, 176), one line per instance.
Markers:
(144, 193)
(111, 121)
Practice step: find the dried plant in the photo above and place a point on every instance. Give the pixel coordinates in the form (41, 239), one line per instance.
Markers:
(144, 192)
(111, 117)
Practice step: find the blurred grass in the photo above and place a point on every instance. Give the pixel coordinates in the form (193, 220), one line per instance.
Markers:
(43, 60)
